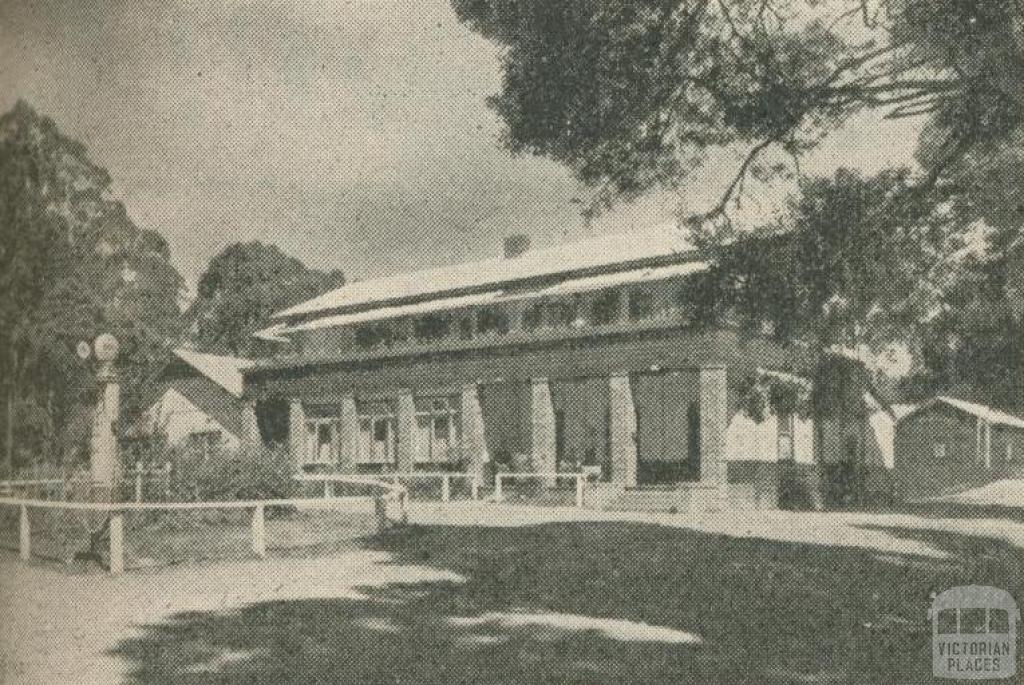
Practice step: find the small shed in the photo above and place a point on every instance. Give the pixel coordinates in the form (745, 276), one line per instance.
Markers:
(948, 444)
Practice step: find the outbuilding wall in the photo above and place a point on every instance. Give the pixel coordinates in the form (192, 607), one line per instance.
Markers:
(922, 472)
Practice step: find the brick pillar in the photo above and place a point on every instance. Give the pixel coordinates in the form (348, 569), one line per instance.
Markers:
(250, 428)
(542, 427)
(348, 435)
(474, 444)
(406, 420)
(714, 417)
(623, 430)
(297, 433)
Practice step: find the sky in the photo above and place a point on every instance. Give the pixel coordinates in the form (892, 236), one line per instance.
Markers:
(354, 135)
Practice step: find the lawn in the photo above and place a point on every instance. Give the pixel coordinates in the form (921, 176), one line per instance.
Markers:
(596, 601)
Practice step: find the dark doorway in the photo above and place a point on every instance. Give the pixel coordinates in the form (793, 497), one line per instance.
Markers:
(668, 427)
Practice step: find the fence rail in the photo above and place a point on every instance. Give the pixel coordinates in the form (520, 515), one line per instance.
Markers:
(111, 515)
(444, 480)
(549, 477)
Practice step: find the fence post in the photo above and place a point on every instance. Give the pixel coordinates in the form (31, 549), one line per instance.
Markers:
(474, 488)
(497, 487)
(116, 544)
(167, 481)
(25, 548)
(579, 491)
(259, 533)
(138, 481)
(328, 489)
(446, 492)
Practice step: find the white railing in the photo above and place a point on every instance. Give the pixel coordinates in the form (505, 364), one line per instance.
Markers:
(445, 479)
(117, 510)
(580, 478)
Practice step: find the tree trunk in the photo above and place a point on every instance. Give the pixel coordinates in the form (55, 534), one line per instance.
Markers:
(9, 429)
(12, 396)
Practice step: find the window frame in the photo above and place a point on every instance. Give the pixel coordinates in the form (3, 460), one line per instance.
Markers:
(313, 446)
(430, 409)
(369, 416)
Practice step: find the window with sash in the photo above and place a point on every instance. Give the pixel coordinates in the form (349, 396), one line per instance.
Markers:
(377, 433)
(320, 440)
(438, 435)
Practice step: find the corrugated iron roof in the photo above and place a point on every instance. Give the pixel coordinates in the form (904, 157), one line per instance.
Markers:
(566, 287)
(596, 253)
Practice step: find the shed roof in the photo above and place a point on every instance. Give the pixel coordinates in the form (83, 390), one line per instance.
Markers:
(222, 370)
(602, 253)
(987, 414)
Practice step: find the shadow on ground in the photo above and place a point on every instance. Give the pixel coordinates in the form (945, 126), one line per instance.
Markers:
(733, 611)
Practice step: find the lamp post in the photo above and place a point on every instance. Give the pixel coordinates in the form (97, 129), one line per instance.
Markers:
(103, 458)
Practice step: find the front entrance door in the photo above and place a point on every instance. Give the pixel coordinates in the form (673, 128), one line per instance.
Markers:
(668, 427)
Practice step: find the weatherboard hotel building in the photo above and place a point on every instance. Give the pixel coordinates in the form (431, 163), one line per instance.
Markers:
(579, 355)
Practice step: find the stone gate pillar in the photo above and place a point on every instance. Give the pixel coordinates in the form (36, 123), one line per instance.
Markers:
(104, 460)
(623, 430)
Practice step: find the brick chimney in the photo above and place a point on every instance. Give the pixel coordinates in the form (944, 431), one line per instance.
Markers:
(516, 245)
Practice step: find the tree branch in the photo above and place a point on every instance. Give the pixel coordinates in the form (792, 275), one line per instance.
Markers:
(737, 182)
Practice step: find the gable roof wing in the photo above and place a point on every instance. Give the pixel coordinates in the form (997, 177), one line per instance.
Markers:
(223, 370)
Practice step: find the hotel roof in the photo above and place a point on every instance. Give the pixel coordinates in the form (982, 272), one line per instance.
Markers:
(594, 256)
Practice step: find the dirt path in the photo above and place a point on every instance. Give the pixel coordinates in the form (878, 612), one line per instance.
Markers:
(58, 626)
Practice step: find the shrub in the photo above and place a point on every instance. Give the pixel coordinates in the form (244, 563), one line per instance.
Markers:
(247, 473)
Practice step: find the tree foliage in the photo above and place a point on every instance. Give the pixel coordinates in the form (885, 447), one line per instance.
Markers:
(631, 96)
(242, 286)
(856, 262)
(72, 265)
(634, 97)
